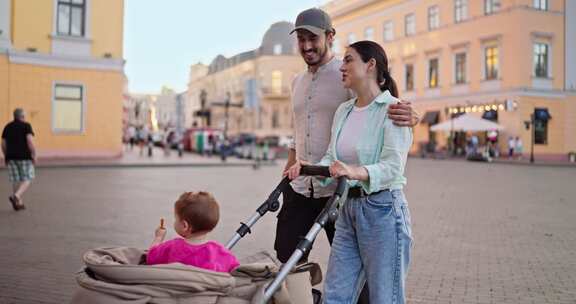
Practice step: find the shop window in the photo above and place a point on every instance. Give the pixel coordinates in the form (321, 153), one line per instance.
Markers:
(541, 118)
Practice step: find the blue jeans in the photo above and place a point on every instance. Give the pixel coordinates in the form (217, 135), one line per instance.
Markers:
(372, 244)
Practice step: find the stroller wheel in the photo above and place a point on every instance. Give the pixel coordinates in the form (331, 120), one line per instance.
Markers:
(316, 296)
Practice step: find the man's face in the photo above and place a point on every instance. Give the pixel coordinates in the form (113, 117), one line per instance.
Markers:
(312, 47)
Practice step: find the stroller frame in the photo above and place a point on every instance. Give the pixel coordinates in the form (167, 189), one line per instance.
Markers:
(329, 213)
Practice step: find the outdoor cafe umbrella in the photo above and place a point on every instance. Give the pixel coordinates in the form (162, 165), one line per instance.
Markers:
(467, 122)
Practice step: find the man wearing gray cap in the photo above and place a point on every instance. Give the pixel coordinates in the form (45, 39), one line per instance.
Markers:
(316, 94)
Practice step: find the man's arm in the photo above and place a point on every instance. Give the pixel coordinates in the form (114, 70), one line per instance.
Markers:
(4, 147)
(291, 159)
(403, 115)
(30, 141)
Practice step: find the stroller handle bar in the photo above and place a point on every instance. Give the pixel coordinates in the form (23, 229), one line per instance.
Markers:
(324, 171)
(329, 213)
(315, 171)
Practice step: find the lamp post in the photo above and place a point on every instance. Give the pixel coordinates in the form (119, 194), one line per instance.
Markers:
(179, 123)
(226, 116)
(530, 125)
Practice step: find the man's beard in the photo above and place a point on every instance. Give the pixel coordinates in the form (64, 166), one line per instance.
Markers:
(320, 57)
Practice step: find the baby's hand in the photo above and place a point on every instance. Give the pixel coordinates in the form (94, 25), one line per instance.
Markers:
(160, 233)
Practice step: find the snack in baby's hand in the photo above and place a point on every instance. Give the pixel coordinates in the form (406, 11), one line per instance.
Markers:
(162, 223)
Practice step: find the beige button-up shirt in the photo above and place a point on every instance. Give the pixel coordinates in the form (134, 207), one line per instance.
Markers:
(315, 98)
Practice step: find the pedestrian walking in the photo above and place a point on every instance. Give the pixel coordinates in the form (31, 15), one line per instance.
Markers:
(511, 147)
(518, 148)
(19, 156)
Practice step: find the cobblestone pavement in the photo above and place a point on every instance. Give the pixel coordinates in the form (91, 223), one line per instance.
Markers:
(484, 233)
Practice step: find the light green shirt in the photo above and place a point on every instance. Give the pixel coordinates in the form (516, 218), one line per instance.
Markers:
(382, 147)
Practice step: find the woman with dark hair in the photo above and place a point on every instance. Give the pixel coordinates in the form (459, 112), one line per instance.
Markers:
(373, 232)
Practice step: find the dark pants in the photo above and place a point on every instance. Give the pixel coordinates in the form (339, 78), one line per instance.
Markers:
(295, 219)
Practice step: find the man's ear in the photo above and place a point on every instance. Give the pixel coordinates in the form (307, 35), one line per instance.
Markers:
(329, 37)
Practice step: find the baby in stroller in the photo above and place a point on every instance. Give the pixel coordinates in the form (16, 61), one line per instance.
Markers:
(182, 271)
(195, 215)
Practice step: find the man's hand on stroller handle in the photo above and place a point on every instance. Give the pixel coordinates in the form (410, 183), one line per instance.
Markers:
(294, 170)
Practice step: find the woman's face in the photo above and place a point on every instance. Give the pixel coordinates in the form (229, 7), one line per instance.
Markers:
(354, 70)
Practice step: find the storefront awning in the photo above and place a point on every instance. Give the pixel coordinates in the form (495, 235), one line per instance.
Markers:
(431, 117)
(491, 115)
(467, 122)
(542, 114)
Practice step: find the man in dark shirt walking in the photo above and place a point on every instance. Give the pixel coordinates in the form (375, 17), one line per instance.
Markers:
(19, 155)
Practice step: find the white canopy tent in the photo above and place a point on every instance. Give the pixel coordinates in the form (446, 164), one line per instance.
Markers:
(467, 122)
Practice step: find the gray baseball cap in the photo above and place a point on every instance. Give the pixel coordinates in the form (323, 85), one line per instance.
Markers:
(314, 20)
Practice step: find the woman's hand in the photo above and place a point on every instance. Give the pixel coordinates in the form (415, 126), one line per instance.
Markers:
(294, 171)
(339, 168)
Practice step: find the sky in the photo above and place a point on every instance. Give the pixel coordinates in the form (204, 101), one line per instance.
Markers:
(163, 38)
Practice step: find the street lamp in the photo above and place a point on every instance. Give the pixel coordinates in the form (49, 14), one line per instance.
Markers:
(226, 116)
(531, 124)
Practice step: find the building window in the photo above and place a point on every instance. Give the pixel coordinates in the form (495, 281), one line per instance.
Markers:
(351, 38)
(388, 31)
(491, 62)
(460, 68)
(409, 77)
(71, 17)
(409, 25)
(277, 82)
(278, 49)
(369, 33)
(541, 60)
(460, 10)
(491, 6)
(67, 109)
(541, 5)
(433, 73)
(433, 17)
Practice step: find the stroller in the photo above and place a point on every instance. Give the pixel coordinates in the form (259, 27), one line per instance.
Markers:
(118, 275)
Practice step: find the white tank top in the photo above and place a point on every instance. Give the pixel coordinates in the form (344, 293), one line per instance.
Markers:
(349, 135)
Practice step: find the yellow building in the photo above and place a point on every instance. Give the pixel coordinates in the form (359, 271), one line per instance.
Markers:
(62, 62)
(256, 83)
(500, 59)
